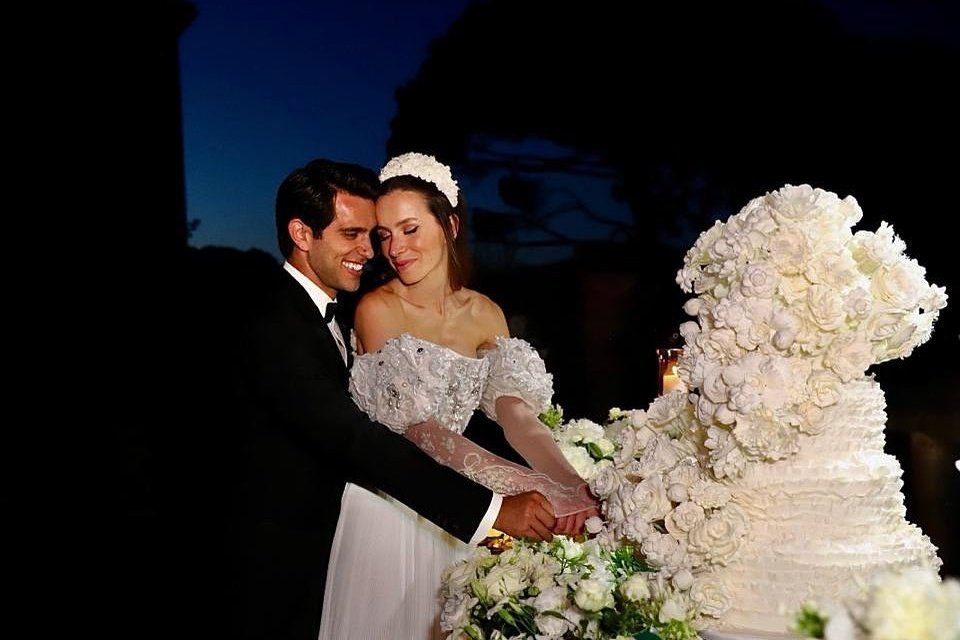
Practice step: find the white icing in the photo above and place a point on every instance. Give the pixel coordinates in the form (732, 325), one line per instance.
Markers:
(823, 522)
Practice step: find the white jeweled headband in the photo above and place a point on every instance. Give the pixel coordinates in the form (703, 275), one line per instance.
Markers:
(424, 167)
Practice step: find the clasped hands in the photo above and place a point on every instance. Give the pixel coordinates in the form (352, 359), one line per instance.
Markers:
(530, 516)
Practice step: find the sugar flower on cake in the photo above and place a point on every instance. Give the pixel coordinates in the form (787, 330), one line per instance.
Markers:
(790, 304)
(659, 498)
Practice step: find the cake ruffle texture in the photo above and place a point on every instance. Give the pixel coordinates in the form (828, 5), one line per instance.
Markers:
(822, 521)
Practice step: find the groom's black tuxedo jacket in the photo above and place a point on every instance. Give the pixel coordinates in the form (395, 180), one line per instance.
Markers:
(295, 437)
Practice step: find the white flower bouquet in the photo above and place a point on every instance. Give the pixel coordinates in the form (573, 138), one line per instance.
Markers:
(912, 604)
(562, 590)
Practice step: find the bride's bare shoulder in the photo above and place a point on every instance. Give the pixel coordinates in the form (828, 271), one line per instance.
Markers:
(378, 317)
(485, 312)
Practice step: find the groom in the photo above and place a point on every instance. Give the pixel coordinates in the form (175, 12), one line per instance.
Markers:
(299, 436)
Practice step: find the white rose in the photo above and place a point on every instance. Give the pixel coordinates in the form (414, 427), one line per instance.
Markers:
(579, 459)
(593, 595)
(456, 611)
(883, 326)
(635, 588)
(714, 388)
(659, 455)
(503, 581)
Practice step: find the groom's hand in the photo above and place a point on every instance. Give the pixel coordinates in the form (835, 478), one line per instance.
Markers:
(526, 515)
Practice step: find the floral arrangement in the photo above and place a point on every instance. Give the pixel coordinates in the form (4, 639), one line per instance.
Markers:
(426, 168)
(913, 604)
(559, 591)
(791, 304)
(657, 497)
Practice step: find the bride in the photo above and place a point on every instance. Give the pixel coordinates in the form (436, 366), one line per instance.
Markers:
(432, 351)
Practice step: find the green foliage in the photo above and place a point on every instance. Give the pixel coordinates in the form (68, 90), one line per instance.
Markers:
(809, 622)
(552, 417)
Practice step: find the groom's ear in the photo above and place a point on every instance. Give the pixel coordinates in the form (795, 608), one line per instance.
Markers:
(300, 233)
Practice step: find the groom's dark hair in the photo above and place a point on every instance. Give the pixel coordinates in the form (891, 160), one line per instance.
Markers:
(308, 193)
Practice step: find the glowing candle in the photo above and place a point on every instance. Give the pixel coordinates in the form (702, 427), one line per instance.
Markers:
(669, 377)
(671, 381)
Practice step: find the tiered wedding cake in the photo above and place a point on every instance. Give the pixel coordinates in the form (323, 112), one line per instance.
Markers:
(792, 309)
(764, 484)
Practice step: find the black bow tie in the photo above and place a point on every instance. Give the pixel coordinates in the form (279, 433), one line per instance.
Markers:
(331, 311)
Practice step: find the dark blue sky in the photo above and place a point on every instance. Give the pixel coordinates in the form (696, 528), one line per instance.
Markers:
(267, 86)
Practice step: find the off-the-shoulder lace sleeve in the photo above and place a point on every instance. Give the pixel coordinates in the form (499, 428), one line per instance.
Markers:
(391, 387)
(516, 369)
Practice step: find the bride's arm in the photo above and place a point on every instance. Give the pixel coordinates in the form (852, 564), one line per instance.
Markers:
(497, 474)
(533, 440)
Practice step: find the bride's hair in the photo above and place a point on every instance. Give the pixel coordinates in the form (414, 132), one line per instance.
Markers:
(458, 258)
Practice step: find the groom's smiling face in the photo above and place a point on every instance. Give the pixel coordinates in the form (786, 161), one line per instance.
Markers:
(338, 255)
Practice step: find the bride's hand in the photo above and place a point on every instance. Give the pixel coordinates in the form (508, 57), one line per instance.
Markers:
(572, 524)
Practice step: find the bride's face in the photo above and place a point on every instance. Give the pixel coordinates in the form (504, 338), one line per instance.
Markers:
(411, 237)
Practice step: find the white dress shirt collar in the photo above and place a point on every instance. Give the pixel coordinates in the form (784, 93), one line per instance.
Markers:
(318, 295)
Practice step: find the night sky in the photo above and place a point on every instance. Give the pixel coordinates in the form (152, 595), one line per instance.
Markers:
(268, 86)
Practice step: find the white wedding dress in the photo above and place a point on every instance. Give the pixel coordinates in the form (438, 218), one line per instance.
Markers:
(383, 579)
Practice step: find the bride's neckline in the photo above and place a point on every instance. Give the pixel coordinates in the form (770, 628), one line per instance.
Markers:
(409, 336)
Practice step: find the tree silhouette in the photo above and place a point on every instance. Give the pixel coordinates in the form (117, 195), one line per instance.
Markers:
(690, 109)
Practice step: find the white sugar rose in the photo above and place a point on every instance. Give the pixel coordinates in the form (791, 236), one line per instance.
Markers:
(662, 550)
(900, 286)
(709, 494)
(605, 481)
(683, 518)
(824, 387)
(760, 280)
(710, 596)
(650, 498)
(789, 250)
(826, 307)
(682, 579)
(719, 537)
(848, 355)
(857, 303)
